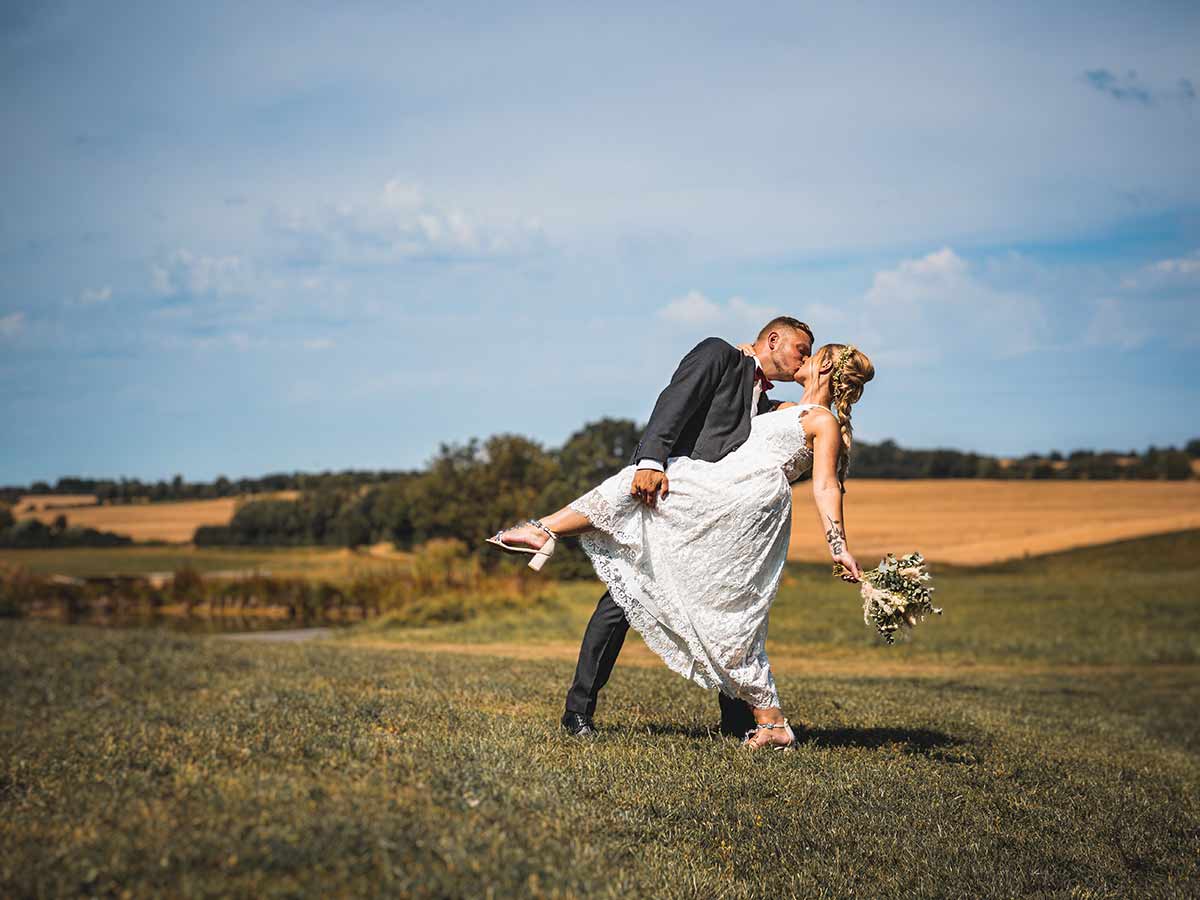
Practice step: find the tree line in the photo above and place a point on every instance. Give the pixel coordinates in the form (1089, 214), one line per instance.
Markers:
(133, 490)
(887, 460)
(30, 534)
(470, 490)
(466, 493)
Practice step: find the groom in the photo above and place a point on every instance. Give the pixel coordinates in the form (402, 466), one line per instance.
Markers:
(704, 413)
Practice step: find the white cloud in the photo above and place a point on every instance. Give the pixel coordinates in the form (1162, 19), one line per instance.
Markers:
(693, 308)
(749, 313)
(184, 272)
(937, 304)
(916, 280)
(89, 296)
(230, 340)
(317, 344)
(402, 222)
(1116, 324)
(1188, 265)
(12, 324)
(398, 194)
(1164, 272)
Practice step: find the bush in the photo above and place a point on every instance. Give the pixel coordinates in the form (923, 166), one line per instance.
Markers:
(213, 536)
(18, 591)
(439, 564)
(187, 587)
(33, 535)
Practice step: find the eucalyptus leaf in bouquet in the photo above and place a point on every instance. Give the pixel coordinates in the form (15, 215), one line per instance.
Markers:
(896, 594)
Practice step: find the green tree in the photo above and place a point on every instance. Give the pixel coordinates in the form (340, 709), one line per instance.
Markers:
(391, 513)
(1177, 466)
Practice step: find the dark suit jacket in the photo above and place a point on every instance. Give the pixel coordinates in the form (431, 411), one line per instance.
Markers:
(704, 412)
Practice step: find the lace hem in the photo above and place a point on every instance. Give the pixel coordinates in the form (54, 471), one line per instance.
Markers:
(613, 561)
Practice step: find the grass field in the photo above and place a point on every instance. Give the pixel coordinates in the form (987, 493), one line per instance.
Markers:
(1040, 739)
(314, 562)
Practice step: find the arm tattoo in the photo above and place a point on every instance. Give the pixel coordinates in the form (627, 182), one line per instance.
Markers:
(835, 536)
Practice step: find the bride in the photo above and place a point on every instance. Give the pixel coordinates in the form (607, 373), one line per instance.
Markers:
(696, 574)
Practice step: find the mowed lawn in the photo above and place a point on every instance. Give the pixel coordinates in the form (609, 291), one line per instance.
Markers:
(1039, 739)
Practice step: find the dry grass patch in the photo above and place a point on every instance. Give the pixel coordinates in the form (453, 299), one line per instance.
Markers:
(977, 522)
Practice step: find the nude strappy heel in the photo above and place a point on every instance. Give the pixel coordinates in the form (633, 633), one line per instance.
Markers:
(786, 726)
(540, 555)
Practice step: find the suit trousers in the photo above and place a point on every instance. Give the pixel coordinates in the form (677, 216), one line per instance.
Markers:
(602, 642)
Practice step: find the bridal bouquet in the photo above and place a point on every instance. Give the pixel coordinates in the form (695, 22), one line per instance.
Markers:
(895, 594)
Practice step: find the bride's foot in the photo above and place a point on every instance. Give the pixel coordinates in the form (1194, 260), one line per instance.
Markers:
(771, 736)
(524, 536)
(533, 537)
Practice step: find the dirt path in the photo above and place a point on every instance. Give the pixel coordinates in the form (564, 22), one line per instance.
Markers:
(793, 663)
(282, 636)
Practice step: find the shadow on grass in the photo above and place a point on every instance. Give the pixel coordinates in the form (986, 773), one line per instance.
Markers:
(663, 729)
(913, 741)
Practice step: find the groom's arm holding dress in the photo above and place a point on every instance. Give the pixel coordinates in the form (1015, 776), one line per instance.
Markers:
(691, 387)
(677, 411)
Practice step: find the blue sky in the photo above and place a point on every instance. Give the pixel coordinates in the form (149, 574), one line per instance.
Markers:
(240, 238)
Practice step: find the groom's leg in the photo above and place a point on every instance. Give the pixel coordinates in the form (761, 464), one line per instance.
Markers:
(736, 716)
(601, 643)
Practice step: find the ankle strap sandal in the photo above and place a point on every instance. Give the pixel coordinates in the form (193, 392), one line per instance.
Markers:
(771, 726)
(540, 555)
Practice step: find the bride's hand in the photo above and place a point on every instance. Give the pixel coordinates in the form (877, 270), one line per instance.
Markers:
(851, 571)
(747, 349)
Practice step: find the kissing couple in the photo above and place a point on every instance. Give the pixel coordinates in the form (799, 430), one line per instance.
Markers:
(691, 539)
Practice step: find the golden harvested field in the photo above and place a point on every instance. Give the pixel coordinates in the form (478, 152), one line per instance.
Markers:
(966, 522)
(972, 522)
(174, 521)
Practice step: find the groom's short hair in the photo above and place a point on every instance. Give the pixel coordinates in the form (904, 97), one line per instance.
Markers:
(785, 322)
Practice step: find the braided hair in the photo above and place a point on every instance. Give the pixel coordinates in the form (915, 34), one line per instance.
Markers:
(852, 369)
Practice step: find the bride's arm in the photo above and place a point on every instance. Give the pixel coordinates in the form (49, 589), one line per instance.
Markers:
(827, 493)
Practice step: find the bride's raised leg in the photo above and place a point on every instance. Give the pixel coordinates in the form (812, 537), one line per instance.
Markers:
(564, 523)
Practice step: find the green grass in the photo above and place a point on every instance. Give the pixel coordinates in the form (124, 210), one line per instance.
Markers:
(151, 763)
(1128, 603)
(142, 559)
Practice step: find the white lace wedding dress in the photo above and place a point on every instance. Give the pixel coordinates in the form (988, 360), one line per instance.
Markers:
(697, 575)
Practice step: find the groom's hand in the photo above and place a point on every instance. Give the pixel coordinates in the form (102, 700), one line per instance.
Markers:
(647, 484)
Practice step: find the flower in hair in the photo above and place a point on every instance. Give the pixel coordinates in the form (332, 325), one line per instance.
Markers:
(838, 367)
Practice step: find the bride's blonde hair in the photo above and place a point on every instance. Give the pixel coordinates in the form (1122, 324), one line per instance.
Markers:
(852, 369)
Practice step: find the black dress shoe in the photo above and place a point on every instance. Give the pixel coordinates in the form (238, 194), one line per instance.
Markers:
(578, 724)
